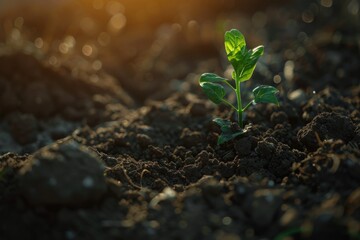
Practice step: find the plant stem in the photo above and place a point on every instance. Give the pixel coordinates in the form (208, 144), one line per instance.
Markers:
(227, 83)
(229, 104)
(247, 106)
(239, 109)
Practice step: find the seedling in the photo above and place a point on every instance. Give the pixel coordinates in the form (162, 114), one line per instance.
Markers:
(244, 62)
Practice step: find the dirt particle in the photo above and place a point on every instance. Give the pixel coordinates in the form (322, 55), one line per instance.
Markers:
(203, 158)
(190, 138)
(265, 148)
(243, 146)
(143, 140)
(326, 126)
(156, 151)
(180, 151)
(191, 172)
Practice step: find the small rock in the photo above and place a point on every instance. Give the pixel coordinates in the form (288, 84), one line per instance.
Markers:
(64, 173)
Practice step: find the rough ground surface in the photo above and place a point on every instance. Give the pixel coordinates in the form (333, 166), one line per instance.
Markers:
(106, 159)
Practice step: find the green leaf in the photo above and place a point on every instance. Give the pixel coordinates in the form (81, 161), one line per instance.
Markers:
(265, 94)
(234, 42)
(227, 133)
(243, 60)
(248, 63)
(211, 77)
(225, 137)
(225, 125)
(215, 92)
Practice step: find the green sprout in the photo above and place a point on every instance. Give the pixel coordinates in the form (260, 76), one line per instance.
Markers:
(244, 62)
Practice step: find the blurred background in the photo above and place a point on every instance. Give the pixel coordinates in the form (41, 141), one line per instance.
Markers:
(67, 57)
(147, 45)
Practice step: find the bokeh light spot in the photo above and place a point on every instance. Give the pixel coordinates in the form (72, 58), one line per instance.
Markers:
(103, 39)
(289, 70)
(227, 220)
(87, 50)
(39, 43)
(277, 79)
(63, 48)
(326, 3)
(307, 16)
(353, 7)
(192, 25)
(19, 22)
(113, 7)
(53, 60)
(117, 22)
(70, 41)
(97, 65)
(15, 34)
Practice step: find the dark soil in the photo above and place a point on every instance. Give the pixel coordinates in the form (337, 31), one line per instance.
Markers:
(120, 144)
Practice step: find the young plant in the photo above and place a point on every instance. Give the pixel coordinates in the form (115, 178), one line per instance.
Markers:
(244, 62)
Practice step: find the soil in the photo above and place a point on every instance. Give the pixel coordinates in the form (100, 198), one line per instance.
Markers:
(120, 143)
